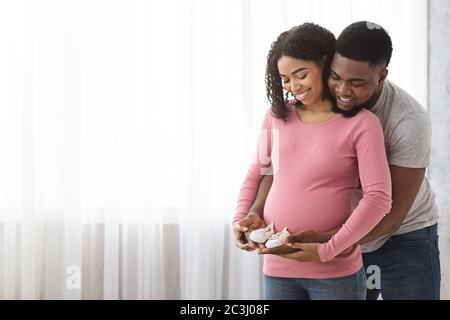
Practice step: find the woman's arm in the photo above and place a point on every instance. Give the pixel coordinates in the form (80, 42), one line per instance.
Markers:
(405, 186)
(368, 140)
(258, 169)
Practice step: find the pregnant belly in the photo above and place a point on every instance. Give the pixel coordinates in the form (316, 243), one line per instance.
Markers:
(317, 211)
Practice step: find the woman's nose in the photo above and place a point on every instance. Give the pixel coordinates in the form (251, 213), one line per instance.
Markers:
(296, 85)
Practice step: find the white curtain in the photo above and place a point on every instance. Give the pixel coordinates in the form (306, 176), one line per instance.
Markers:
(126, 129)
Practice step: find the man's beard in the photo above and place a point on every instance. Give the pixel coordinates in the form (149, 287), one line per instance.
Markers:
(346, 113)
(354, 111)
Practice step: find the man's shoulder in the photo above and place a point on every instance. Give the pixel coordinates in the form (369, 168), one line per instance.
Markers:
(405, 109)
(401, 101)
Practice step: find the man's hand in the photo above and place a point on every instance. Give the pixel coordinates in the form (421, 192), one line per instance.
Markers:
(244, 227)
(307, 236)
(278, 250)
(239, 237)
(308, 252)
(304, 236)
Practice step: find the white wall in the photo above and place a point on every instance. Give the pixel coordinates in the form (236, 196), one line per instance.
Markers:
(439, 110)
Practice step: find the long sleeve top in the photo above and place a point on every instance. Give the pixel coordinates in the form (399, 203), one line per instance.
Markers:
(315, 171)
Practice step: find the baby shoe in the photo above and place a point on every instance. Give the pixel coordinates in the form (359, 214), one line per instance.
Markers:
(262, 235)
(277, 239)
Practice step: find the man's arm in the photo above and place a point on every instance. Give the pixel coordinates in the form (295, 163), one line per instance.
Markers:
(254, 219)
(409, 147)
(406, 183)
(261, 196)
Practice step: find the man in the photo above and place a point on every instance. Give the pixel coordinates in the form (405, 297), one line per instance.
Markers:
(404, 245)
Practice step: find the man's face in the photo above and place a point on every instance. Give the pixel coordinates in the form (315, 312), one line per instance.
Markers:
(354, 83)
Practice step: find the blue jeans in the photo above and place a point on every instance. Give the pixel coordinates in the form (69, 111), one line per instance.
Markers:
(352, 287)
(409, 267)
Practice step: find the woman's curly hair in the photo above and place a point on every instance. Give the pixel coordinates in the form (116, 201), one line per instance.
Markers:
(308, 41)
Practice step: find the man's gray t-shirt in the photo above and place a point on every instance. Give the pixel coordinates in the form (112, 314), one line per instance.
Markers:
(407, 137)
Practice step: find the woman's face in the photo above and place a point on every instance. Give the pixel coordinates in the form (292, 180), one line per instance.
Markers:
(303, 78)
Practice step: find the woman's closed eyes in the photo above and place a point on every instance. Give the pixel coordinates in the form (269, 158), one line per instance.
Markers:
(299, 77)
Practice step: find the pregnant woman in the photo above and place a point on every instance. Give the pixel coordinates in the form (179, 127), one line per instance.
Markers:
(316, 154)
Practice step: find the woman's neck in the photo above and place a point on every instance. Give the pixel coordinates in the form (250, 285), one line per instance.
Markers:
(319, 106)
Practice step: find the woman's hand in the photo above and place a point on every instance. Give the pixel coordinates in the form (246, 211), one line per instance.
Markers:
(304, 236)
(244, 227)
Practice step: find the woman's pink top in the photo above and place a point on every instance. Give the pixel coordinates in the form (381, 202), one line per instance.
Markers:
(316, 169)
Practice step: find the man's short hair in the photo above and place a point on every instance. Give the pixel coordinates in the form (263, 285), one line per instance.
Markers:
(365, 41)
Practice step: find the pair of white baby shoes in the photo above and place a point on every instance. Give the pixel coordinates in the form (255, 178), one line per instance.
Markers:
(268, 236)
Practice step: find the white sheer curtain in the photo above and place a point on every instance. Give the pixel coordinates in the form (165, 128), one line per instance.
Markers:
(126, 129)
